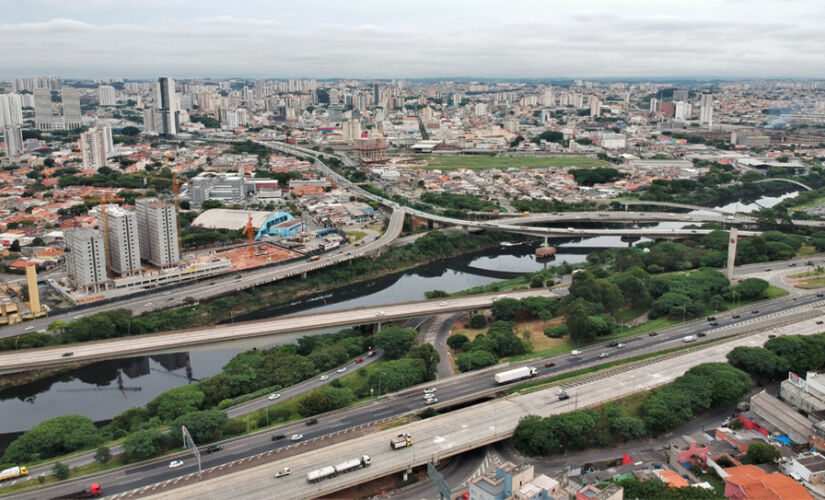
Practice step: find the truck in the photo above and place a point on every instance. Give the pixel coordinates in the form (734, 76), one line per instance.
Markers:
(514, 375)
(313, 258)
(689, 338)
(93, 491)
(332, 471)
(13, 472)
(402, 441)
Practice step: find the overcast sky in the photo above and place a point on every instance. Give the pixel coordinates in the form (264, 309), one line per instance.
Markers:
(412, 38)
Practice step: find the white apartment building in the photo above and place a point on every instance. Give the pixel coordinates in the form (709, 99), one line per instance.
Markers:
(157, 232)
(43, 116)
(13, 138)
(86, 258)
(106, 95)
(683, 110)
(11, 110)
(122, 232)
(706, 110)
(71, 108)
(96, 145)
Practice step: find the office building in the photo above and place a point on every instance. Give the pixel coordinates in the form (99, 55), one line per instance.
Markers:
(13, 138)
(121, 230)
(71, 108)
(11, 110)
(157, 232)
(106, 95)
(96, 146)
(43, 116)
(86, 259)
(166, 104)
(224, 187)
(706, 110)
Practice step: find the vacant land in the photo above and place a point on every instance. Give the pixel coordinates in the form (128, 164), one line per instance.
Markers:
(486, 162)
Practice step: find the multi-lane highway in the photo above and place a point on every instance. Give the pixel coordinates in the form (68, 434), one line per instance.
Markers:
(638, 217)
(471, 386)
(289, 326)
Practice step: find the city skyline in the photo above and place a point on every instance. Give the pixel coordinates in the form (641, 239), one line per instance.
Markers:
(528, 39)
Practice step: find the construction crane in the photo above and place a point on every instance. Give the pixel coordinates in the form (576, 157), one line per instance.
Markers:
(175, 191)
(249, 231)
(103, 202)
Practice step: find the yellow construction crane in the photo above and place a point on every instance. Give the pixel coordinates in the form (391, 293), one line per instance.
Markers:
(103, 202)
(175, 190)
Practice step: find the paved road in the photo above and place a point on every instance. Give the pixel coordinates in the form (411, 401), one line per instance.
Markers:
(639, 217)
(467, 387)
(15, 361)
(221, 285)
(454, 432)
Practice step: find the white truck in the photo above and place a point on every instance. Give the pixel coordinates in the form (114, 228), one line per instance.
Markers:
(516, 374)
(689, 338)
(332, 471)
(402, 441)
(13, 472)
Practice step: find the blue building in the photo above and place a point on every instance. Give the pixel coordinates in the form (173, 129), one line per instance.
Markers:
(280, 224)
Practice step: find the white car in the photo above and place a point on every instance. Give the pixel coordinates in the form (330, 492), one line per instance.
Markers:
(273, 397)
(148, 304)
(296, 437)
(430, 401)
(283, 472)
(174, 464)
(619, 345)
(324, 377)
(29, 328)
(604, 355)
(342, 369)
(166, 293)
(442, 303)
(379, 313)
(497, 297)
(430, 390)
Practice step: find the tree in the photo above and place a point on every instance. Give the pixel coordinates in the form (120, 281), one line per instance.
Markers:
(436, 294)
(457, 341)
(60, 471)
(751, 288)
(477, 321)
(130, 131)
(53, 437)
(209, 204)
(204, 426)
(761, 363)
(476, 359)
(395, 341)
(578, 324)
(173, 403)
(143, 444)
(429, 355)
(103, 454)
(763, 453)
(506, 309)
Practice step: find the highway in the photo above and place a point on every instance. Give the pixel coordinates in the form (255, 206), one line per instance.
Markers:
(16, 361)
(638, 217)
(221, 285)
(451, 433)
(465, 387)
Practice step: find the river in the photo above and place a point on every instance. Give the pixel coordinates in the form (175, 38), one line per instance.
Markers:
(103, 390)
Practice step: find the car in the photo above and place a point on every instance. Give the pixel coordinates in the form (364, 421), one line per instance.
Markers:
(174, 464)
(296, 437)
(714, 323)
(28, 328)
(735, 316)
(430, 390)
(653, 334)
(148, 304)
(772, 336)
(575, 353)
(604, 355)
(371, 353)
(427, 397)
(711, 318)
(442, 303)
(166, 293)
(564, 396)
(755, 311)
(67, 354)
(273, 397)
(379, 313)
(359, 360)
(549, 364)
(613, 344)
(819, 322)
(620, 345)
(701, 334)
(283, 472)
(792, 264)
(278, 437)
(214, 448)
(324, 377)
(767, 269)
(312, 421)
(341, 370)
(430, 401)
(820, 295)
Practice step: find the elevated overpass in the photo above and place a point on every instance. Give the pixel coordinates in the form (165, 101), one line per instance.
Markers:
(638, 217)
(461, 430)
(288, 327)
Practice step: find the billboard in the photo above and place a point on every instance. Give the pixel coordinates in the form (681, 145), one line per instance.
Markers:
(797, 381)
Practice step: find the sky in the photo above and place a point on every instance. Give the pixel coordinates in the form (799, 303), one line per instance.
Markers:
(143, 39)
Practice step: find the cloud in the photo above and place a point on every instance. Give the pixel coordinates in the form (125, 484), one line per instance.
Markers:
(583, 43)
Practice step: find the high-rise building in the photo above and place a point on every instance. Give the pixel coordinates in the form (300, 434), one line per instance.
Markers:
(706, 110)
(682, 111)
(71, 108)
(43, 116)
(595, 107)
(96, 145)
(654, 105)
(149, 120)
(376, 95)
(166, 105)
(13, 138)
(351, 130)
(668, 108)
(106, 95)
(11, 110)
(86, 257)
(157, 232)
(122, 232)
(228, 118)
(547, 98)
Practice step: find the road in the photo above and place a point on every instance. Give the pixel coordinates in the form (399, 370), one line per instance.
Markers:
(16, 361)
(639, 217)
(453, 432)
(221, 285)
(467, 387)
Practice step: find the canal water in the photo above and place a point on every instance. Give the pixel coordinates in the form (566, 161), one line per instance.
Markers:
(103, 390)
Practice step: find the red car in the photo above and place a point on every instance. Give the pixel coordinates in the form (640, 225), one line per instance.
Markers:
(359, 360)
(549, 364)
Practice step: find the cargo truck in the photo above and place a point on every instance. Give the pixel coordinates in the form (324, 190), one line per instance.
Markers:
(13, 472)
(402, 441)
(513, 375)
(93, 491)
(344, 467)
